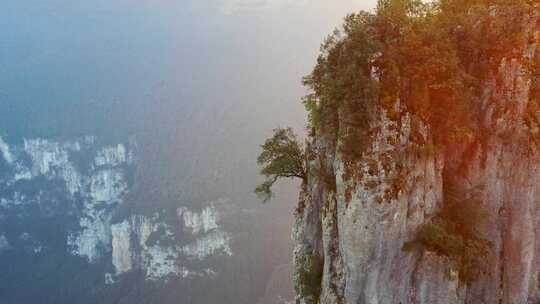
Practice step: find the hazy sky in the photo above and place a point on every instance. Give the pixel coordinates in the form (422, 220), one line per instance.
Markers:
(198, 84)
(182, 76)
(83, 61)
(231, 6)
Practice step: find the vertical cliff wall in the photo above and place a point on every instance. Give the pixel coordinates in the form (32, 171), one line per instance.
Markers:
(349, 232)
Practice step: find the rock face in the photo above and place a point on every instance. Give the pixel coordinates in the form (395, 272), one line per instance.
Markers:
(348, 243)
(64, 204)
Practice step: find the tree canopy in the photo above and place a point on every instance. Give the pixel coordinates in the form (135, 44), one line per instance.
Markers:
(431, 57)
(282, 156)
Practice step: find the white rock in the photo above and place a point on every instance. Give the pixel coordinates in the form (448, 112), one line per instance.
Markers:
(38, 249)
(112, 156)
(107, 186)
(211, 244)
(89, 140)
(94, 236)
(102, 189)
(72, 178)
(199, 222)
(4, 244)
(109, 280)
(18, 199)
(121, 247)
(51, 159)
(23, 174)
(161, 262)
(5, 150)
(45, 155)
(158, 261)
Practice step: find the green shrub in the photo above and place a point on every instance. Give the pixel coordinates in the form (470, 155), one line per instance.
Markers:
(310, 277)
(456, 233)
(282, 156)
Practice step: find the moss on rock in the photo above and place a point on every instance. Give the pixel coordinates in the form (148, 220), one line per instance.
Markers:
(308, 278)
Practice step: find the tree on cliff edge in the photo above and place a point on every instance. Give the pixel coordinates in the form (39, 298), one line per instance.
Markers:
(282, 156)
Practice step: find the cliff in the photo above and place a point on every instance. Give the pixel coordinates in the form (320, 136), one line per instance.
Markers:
(65, 206)
(355, 216)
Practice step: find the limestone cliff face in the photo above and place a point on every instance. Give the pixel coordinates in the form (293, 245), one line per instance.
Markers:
(348, 246)
(86, 183)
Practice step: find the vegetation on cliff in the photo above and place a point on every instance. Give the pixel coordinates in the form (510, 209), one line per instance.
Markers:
(282, 157)
(309, 278)
(430, 61)
(427, 59)
(457, 233)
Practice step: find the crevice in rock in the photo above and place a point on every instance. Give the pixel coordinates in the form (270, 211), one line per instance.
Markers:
(501, 267)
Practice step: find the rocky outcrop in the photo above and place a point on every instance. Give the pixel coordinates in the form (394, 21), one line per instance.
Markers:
(85, 184)
(149, 244)
(349, 234)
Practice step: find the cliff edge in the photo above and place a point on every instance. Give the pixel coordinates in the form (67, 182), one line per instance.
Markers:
(410, 104)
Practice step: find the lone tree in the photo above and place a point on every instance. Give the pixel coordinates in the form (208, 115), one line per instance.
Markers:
(282, 156)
